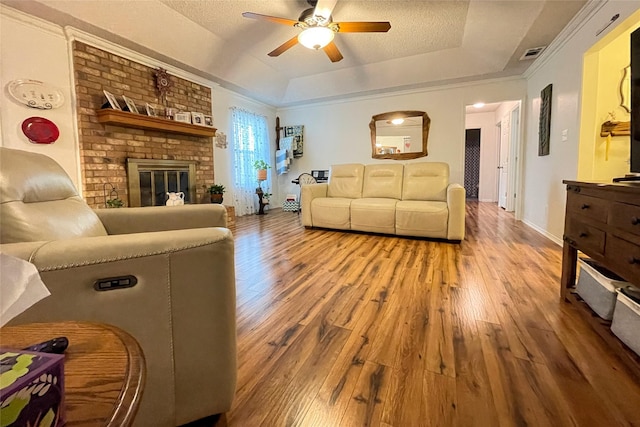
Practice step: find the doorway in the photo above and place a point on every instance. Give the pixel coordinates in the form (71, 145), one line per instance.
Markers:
(472, 163)
(499, 126)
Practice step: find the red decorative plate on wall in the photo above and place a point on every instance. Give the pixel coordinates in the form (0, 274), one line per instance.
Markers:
(40, 130)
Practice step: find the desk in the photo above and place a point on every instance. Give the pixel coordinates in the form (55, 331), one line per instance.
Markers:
(104, 369)
(603, 222)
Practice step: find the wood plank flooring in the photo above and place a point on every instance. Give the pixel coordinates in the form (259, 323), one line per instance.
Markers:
(350, 329)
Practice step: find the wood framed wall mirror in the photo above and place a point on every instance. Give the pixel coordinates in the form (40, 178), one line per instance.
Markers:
(399, 135)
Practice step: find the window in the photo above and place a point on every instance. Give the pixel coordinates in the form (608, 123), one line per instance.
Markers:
(250, 138)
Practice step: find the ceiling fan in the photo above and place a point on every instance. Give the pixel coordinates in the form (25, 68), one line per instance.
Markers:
(318, 28)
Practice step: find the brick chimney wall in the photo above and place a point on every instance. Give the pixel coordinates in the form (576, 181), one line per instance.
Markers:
(105, 148)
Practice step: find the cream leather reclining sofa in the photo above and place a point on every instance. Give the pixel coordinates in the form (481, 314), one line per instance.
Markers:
(414, 199)
(182, 310)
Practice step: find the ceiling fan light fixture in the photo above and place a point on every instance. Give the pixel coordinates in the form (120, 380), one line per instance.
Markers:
(316, 37)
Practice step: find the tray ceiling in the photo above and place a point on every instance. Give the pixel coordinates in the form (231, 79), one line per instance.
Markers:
(429, 43)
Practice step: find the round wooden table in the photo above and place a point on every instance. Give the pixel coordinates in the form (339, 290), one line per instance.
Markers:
(104, 369)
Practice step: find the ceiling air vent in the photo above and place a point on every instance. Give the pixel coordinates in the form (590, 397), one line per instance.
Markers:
(532, 53)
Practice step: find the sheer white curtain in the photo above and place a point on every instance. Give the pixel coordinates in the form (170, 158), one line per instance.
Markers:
(250, 138)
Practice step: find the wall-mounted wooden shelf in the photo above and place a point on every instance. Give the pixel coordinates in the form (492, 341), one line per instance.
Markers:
(110, 116)
(615, 129)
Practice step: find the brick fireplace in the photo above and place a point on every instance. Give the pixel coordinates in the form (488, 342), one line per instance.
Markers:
(105, 148)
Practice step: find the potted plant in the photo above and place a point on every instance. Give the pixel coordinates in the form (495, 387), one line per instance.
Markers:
(115, 203)
(265, 197)
(216, 191)
(261, 166)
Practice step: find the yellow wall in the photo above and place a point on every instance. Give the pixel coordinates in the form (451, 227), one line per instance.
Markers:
(602, 73)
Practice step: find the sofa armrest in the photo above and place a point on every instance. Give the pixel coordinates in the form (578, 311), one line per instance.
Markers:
(162, 218)
(456, 203)
(308, 193)
(181, 311)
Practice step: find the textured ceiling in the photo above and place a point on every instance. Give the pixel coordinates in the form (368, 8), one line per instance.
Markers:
(430, 42)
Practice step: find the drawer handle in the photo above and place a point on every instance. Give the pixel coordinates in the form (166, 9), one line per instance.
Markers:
(583, 234)
(584, 206)
(634, 260)
(635, 220)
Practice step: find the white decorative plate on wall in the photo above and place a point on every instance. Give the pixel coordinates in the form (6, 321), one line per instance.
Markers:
(36, 94)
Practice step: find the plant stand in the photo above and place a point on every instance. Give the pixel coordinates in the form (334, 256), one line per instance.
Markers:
(260, 194)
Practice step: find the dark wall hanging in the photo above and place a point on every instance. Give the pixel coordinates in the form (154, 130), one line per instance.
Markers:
(544, 130)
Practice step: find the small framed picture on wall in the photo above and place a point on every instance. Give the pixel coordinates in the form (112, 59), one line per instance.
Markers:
(208, 121)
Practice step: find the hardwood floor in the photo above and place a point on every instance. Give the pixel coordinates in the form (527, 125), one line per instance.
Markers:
(348, 329)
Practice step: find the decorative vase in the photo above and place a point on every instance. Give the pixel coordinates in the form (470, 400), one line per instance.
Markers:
(216, 198)
(262, 174)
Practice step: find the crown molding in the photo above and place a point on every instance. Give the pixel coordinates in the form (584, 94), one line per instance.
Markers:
(401, 92)
(25, 18)
(74, 34)
(591, 8)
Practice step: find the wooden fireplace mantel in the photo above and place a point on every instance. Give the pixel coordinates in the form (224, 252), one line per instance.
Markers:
(139, 121)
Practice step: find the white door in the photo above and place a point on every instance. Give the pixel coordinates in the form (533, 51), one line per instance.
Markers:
(514, 144)
(503, 165)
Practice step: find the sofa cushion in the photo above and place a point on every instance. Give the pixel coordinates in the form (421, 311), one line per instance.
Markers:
(38, 201)
(331, 212)
(377, 215)
(421, 218)
(383, 180)
(425, 181)
(346, 181)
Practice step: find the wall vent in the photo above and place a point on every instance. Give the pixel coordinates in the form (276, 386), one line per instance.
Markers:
(532, 53)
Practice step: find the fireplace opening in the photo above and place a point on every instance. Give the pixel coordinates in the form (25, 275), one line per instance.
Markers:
(150, 180)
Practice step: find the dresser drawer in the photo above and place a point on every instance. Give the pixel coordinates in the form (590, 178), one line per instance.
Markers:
(625, 217)
(585, 237)
(588, 206)
(623, 258)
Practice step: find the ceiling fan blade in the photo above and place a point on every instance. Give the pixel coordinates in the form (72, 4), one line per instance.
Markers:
(284, 47)
(275, 19)
(324, 8)
(364, 27)
(333, 52)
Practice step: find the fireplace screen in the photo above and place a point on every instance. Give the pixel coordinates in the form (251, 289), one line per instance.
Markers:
(151, 180)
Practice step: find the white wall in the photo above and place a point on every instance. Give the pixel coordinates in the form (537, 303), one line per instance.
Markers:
(338, 132)
(544, 192)
(37, 50)
(486, 122)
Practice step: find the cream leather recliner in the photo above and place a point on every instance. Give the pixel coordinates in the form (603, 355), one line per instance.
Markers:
(182, 310)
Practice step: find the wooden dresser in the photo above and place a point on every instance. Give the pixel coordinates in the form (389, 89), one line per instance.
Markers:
(603, 222)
